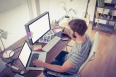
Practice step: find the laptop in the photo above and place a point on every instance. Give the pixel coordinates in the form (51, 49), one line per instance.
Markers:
(27, 56)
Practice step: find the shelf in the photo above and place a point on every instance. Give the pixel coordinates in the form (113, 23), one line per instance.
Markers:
(108, 6)
(110, 23)
(105, 18)
(104, 28)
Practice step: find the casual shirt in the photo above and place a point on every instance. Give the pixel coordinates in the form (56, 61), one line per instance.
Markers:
(78, 55)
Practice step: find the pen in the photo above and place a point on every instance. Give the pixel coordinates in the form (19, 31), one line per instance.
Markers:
(63, 29)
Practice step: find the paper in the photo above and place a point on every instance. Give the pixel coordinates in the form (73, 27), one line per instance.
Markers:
(30, 34)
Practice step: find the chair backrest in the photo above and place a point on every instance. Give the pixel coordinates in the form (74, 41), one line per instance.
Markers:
(92, 51)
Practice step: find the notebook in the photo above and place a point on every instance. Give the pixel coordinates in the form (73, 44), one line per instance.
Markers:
(26, 56)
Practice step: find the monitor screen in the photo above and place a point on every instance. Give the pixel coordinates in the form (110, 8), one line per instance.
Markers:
(25, 54)
(38, 27)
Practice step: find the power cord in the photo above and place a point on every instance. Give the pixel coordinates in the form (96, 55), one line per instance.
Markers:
(13, 50)
(14, 68)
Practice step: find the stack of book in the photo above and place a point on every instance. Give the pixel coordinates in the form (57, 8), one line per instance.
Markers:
(37, 47)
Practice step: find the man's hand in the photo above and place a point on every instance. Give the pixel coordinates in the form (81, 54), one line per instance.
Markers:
(69, 33)
(66, 32)
(38, 63)
(66, 66)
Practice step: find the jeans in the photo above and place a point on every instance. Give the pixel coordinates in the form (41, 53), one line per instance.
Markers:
(59, 60)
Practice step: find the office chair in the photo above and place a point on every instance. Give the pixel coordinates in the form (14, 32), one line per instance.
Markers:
(90, 57)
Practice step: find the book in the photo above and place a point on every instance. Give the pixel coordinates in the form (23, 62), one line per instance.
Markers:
(37, 47)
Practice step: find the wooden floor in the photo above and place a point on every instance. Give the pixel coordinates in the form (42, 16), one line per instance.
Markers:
(104, 65)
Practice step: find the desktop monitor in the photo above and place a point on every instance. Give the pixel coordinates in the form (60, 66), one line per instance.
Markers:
(38, 27)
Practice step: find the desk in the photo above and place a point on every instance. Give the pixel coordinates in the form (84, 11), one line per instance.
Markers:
(50, 56)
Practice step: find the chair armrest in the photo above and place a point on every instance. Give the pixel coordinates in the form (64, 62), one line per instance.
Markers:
(52, 73)
(93, 56)
(69, 45)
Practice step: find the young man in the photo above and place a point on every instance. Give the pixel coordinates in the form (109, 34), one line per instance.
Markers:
(69, 63)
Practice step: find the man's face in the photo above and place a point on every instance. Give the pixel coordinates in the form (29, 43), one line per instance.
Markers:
(74, 35)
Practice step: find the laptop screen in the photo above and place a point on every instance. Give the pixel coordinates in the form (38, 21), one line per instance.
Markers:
(24, 54)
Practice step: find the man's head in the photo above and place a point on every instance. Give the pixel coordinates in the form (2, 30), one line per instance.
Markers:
(78, 26)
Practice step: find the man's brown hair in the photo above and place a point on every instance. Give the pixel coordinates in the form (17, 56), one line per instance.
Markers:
(79, 26)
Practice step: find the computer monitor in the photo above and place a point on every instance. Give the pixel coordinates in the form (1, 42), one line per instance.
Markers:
(38, 27)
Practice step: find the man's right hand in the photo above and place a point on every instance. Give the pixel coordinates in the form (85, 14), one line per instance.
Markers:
(68, 32)
(65, 32)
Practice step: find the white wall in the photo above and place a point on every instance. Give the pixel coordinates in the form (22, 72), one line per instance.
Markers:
(13, 21)
(57, 12)
(33, 4)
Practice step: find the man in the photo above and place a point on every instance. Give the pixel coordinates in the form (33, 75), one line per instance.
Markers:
(69, 63)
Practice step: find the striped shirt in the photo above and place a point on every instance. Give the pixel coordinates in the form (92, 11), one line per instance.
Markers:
(78, 55)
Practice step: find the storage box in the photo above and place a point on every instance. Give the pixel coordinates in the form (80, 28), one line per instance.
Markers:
(100, 3)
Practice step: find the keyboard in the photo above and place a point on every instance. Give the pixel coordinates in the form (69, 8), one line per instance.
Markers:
(51, 44)
(34, 56)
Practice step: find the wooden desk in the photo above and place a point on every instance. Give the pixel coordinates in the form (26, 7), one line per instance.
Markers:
(50, 56)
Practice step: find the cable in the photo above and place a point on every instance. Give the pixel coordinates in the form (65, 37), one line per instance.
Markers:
(13, 50)
(11, 62)
(14, 68)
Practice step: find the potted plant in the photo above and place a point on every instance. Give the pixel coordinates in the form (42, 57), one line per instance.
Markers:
(67, 10)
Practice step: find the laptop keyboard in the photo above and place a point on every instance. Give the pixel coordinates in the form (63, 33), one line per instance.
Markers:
(34, 56)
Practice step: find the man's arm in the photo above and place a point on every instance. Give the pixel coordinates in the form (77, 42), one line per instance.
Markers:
(68, 33)
(66, 66)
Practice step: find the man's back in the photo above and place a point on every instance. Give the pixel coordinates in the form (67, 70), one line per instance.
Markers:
(78, 54)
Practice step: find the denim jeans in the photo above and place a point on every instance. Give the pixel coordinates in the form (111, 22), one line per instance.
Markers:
(59, 60)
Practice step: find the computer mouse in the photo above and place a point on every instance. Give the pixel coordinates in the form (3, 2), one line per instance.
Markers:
(22, 72)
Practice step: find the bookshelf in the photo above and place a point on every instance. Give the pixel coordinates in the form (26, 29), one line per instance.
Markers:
(110, 21)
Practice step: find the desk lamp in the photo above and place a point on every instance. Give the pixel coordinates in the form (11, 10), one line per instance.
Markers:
(9, 53)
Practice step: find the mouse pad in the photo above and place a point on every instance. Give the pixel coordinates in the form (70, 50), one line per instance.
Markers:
(2, 65)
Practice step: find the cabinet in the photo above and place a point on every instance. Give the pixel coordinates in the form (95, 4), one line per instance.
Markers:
(104, 21)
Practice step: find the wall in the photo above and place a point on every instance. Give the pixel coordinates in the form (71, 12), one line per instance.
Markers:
(57, 12)
(12, 19)
(15, 13)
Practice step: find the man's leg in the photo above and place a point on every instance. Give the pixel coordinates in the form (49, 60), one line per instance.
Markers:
(61, 55)
(59, 60)
(46, 70)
